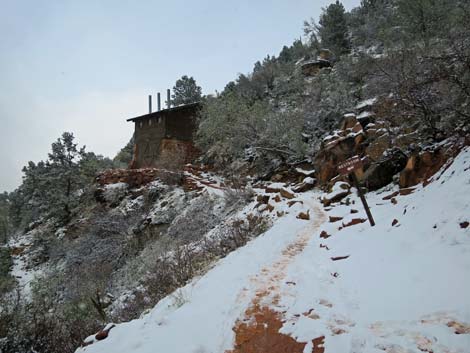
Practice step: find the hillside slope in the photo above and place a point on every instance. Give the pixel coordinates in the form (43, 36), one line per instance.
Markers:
(308, 286)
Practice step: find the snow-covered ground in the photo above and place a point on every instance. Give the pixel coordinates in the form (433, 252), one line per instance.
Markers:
(390, 288)
(21, 270)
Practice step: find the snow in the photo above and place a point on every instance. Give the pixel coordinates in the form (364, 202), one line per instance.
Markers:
(398, 291)
(20, 270)
(366, 103)
(305, 172)
(340, 187)
(309, 180)
(364, 114)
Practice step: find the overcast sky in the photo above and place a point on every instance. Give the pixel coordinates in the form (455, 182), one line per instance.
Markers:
(86, 66)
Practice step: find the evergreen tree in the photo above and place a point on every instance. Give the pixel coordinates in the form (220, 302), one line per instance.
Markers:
(426, 19)
(4, 217)
(332, 30)
(186, 91)
(125, 155)
(64, 179)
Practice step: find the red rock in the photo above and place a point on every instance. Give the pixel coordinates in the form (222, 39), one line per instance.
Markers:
(304, 216)
(354, 221)
(394, 222)
(406, 191)
(287, 194)
(271, 190)
(394, 200)
(389, 197)
(324, 235)
(277, 198)
(335, 219)
(101, 335)
(318, 345)
(421, 167)
(354, 211)
(459, 328)
(464, 225)
(262, 199)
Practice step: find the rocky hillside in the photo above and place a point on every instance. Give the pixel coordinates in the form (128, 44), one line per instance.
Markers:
(321, 279)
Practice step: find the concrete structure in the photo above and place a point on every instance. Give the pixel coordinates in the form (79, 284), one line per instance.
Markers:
(164, 139)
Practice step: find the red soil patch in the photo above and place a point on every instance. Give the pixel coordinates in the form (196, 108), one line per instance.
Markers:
(261, 334)
(464, 225)
(258, 331)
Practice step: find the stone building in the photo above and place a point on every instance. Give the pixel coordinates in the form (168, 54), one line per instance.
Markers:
(164, 139)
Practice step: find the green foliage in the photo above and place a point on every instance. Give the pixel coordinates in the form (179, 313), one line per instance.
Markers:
(331, 31)
(53, 188)
(186, 91)
(6, 280)
(5, 222)
(91, 164)
(125, 155)
(374, 24)
(425, 19)
(230, 126)
(47, 323)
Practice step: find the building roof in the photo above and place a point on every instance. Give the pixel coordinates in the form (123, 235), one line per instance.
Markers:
(168, 110)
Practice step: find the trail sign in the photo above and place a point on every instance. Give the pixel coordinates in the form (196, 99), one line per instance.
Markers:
(350, 165)
(347, 168)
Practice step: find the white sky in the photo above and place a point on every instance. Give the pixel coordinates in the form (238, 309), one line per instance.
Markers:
(86, 66)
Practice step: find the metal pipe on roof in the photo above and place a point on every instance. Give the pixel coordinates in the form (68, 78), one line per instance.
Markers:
(150, 103)
(168, 99)
(159, 106)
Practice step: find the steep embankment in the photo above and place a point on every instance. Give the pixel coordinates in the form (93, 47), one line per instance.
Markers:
(321, 286)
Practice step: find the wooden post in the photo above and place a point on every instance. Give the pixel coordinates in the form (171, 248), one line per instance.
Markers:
(363, 199)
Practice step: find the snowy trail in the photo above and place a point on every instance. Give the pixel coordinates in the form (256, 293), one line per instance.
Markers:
(211, 306)
(399, 287)
(268, 281)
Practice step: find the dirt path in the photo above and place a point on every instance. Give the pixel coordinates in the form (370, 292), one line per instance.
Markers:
(258, 330)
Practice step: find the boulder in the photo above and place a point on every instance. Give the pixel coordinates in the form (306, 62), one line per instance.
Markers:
(332, 154)
(381, 172)
(349, 121)
(262, 199)
(113, 194)
(286, 193)
(421, 166)
(378, 146)
(339, 191)
(304, 216)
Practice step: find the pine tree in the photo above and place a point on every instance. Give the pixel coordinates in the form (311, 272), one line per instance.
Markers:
(63, 179)
(186, 91)
(333, 29)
